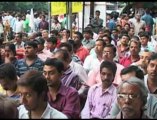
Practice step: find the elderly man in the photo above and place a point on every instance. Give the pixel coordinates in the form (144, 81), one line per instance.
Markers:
(127, 73)
(132, 98)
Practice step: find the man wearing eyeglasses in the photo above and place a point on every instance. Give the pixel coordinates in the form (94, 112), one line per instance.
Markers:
(132, 98)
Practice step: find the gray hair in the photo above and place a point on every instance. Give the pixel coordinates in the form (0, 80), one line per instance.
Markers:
(137, 82)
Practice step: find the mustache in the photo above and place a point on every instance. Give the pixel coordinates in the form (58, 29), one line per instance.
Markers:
(127, 108)
(49, 84)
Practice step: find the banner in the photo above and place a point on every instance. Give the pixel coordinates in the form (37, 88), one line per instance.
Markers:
(31, 21)
(77, 7)
(58, 8)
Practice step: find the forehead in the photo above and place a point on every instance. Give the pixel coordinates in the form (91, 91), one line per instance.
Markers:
(147, 54)
(130, 88)
(128, 75)
(25, 89)
(108, 49)
(58, 55)
(125, 37)
(153, 61)
(106, 70)
(49, 68)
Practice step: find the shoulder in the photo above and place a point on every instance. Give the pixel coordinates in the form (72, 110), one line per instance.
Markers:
(23, 113)
(53, 113)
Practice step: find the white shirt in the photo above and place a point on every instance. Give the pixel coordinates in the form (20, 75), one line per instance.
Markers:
(79, 70)
(47, 114)
(18, 26)
(91, 62)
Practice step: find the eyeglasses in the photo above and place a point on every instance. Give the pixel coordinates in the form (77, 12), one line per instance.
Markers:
(130, 96)
(106, 52)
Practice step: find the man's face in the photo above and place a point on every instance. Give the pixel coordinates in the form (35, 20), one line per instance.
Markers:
(152, 69)
(144, 57)
(124, 40)
(97, 14)
(129, 101)
(76, 39)
(107, 76)
(29, 98)
(134, 48)
(99, 47)
(144, 41)
(108, 54)
(30, 51)
(52, 75)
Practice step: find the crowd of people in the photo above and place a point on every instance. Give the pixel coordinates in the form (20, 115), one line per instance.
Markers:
(104, 72)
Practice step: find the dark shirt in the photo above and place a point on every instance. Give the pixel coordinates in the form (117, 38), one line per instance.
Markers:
(44, 25)
(67, 101)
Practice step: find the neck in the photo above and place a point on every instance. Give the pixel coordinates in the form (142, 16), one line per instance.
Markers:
(31, 58)
(134, 57)
(38, 112)
(54, 89)
(133, 117)
(105, 86)
(152, 84)
(99, 56)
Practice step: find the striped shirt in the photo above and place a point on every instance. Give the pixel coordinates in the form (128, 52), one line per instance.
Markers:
(22, 66)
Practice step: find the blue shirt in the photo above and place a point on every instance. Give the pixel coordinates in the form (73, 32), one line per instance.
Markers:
(22, 66)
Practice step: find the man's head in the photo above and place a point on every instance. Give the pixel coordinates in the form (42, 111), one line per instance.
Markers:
(97, 13)
(52, 70)
(64, 56)
(67, 46)
(134, 47)
(152, 67)
(144, 38)
(18, 37)
(8, 108)
(131, 71)
(99, 46)
(109, 52)
(40, 42)
(132, 97)
(33, 88)
(107, 72)
(8, 76)
(51, 43)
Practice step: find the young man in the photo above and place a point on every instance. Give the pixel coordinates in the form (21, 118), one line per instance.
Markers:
(61, 97)
(31, 60)
(33, 89)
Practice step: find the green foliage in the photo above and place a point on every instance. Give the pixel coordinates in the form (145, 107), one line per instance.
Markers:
(23, 6)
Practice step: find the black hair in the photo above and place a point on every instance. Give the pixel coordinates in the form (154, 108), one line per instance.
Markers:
(67, 45)
(113, 48)
(35, 80)
(101, 40)
(52, 40)
(65, 54)
(31, 43)
(144, 34)
(58, 64)
(109, 65)
(153, 57)
(79, 34)
(8, 71)
(138, 72)
(11, 47)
